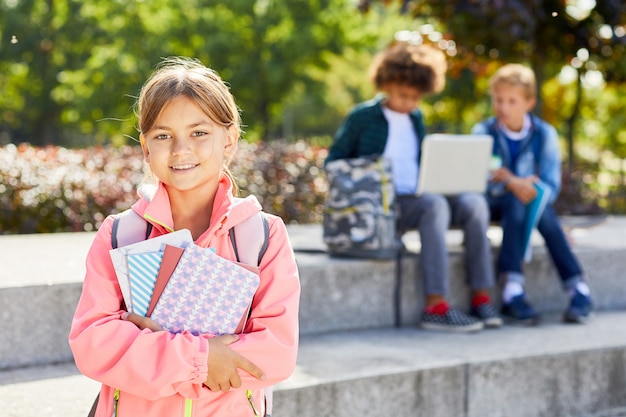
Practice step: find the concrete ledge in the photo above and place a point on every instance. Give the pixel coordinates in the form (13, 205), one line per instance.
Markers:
(37, 322)
(39, 295)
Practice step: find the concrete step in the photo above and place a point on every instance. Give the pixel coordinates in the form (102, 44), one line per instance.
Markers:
(553, 370)
(40, 284)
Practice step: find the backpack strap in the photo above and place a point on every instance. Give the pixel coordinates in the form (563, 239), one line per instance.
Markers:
(128, 228)
(256, 230)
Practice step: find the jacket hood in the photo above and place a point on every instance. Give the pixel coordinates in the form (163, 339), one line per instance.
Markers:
(228, 211)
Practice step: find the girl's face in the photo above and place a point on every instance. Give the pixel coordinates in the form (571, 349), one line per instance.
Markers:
(185, 149)
(401, 98)
(510, 105)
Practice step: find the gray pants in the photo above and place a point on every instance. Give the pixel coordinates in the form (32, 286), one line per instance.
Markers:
(432, 215)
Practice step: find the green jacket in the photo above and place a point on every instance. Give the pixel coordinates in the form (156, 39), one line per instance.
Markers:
(365, 131)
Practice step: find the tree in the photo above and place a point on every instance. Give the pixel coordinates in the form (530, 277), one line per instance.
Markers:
(266, 48)
(78, 75)
(34, 49)
(547, 34)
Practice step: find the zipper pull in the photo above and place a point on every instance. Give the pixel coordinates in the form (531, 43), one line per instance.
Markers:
(254, 409)
(116, 400)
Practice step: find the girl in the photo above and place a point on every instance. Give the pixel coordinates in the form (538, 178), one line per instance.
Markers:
(189, 127)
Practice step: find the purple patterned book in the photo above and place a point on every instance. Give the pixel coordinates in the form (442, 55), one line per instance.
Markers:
(205, 294)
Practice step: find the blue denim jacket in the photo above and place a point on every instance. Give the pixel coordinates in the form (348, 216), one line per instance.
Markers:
(540, 154)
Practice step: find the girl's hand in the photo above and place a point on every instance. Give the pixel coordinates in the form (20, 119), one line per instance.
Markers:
(223, 363)
(142, 322)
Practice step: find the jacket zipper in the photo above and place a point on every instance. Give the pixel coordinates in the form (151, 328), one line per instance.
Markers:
(188, 407)
(251, 401)
(116, 400)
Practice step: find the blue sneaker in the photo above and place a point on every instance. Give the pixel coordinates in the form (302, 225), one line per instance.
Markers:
(580, 309)
(518, 311)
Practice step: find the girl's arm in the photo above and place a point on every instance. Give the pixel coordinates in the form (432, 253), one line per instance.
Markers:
(116, 352)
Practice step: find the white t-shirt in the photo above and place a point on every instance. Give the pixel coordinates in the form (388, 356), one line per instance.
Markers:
(402, 150)
(518, 135)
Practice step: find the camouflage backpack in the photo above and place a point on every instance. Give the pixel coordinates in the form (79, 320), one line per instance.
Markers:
(359, 214)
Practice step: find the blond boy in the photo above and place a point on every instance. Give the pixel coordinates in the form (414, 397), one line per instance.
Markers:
(527, 147)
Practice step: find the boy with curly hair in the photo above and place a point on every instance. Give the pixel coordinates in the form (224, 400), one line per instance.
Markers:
(392, 126)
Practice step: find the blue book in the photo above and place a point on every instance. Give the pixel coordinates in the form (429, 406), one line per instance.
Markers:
(534, 210)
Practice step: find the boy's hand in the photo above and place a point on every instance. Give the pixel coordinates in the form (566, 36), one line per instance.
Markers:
(223, 363)
(501, 175)
(522, 188)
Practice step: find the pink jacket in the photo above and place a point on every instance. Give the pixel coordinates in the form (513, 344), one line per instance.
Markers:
(160, 373)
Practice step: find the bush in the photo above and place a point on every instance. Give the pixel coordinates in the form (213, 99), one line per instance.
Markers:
(54, 189)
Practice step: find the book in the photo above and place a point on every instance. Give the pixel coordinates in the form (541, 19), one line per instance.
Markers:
(171, 256)
(142, 273)
(206, 294)
(119, 257)
(534, 210)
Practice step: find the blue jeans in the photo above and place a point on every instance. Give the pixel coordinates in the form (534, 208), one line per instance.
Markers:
(431, 215)
(510, 211)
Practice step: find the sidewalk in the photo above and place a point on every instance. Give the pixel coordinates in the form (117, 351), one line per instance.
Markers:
(511, 372)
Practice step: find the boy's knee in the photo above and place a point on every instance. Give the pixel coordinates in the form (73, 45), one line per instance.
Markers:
(474, 206)
(435, 210)
(475, 202)
(436, 204)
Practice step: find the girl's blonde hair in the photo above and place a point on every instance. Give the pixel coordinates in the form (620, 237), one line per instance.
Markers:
(516, 75)
(180, 76)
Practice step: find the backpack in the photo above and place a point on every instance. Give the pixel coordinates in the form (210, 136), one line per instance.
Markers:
(360, 213)
(129, 228)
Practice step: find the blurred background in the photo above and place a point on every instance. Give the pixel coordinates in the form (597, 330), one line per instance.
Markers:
(70, 71)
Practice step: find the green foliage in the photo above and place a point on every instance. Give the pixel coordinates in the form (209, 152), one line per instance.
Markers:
(586, 40)
(54, 189)
(74, 78)
(73, 71)
(70, 69)
(287, 178)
